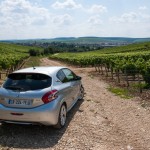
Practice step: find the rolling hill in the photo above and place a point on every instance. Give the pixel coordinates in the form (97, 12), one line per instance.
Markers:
(82, 40)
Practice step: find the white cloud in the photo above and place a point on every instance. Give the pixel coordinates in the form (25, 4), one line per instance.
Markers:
(131, 17)
(143, 8)
(22, 12)
(62, 19)
(98, 9)
(68, 4)
(95, 20)
(32, 19)
(145, 17)
(144, 14)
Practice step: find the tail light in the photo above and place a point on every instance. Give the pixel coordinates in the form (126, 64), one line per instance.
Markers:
(49, 96)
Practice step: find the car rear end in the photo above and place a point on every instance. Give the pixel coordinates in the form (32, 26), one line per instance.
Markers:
(28, 98)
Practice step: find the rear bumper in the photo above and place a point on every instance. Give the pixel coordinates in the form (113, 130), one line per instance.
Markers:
(46, 114)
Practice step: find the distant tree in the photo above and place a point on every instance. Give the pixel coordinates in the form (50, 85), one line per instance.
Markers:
(147, 46)
(34, 52)
(48, 50)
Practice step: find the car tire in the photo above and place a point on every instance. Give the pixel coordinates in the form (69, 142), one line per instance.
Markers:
(62, 117)
(81, 93)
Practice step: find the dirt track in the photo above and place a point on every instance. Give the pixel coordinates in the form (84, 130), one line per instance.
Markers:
(102, 121)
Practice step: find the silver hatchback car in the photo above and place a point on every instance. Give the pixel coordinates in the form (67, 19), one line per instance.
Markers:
(39, 95)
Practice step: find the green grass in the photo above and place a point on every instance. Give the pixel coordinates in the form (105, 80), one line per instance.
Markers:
(138, 86)
(7, 47)
(121, 92)
(32, 62)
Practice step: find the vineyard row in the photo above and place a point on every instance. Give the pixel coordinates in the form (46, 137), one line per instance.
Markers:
(9, 64)
(130, 64)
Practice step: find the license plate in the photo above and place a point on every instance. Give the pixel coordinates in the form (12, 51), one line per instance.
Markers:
(20, 102)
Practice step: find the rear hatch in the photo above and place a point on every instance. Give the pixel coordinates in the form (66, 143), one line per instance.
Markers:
(24, 90)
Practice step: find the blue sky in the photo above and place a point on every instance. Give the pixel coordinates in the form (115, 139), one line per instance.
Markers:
(27, 19)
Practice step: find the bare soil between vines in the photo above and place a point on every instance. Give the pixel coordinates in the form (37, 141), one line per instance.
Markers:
(102, 121)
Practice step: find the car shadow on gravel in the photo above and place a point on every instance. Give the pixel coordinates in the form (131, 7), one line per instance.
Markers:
(32, 136)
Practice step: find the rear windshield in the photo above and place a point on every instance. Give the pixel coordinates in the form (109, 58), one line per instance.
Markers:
(27, 81)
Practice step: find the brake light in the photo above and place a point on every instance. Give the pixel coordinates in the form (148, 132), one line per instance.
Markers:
(49, 96)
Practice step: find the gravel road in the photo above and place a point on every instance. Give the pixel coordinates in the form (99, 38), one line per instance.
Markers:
(102, 121)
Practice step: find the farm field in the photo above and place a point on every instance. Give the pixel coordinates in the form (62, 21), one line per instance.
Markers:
(106, 43)
(13, 57)
(131, 60)
(107, 55)
(12, 54)
(101, 121)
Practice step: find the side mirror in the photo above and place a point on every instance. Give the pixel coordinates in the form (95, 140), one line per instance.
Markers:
(78, 78)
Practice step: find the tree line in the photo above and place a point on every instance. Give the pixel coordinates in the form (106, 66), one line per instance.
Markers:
(59, 47)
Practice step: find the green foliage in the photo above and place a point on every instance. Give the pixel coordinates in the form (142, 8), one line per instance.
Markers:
(34, 52)
(123, 93)
(146, 72)
(48, 50)
(12, 54)
(131, 59)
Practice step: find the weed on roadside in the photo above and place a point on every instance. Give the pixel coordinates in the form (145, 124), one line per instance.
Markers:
(123, 93)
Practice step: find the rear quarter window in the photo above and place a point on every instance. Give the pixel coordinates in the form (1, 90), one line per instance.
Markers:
(61, 76)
